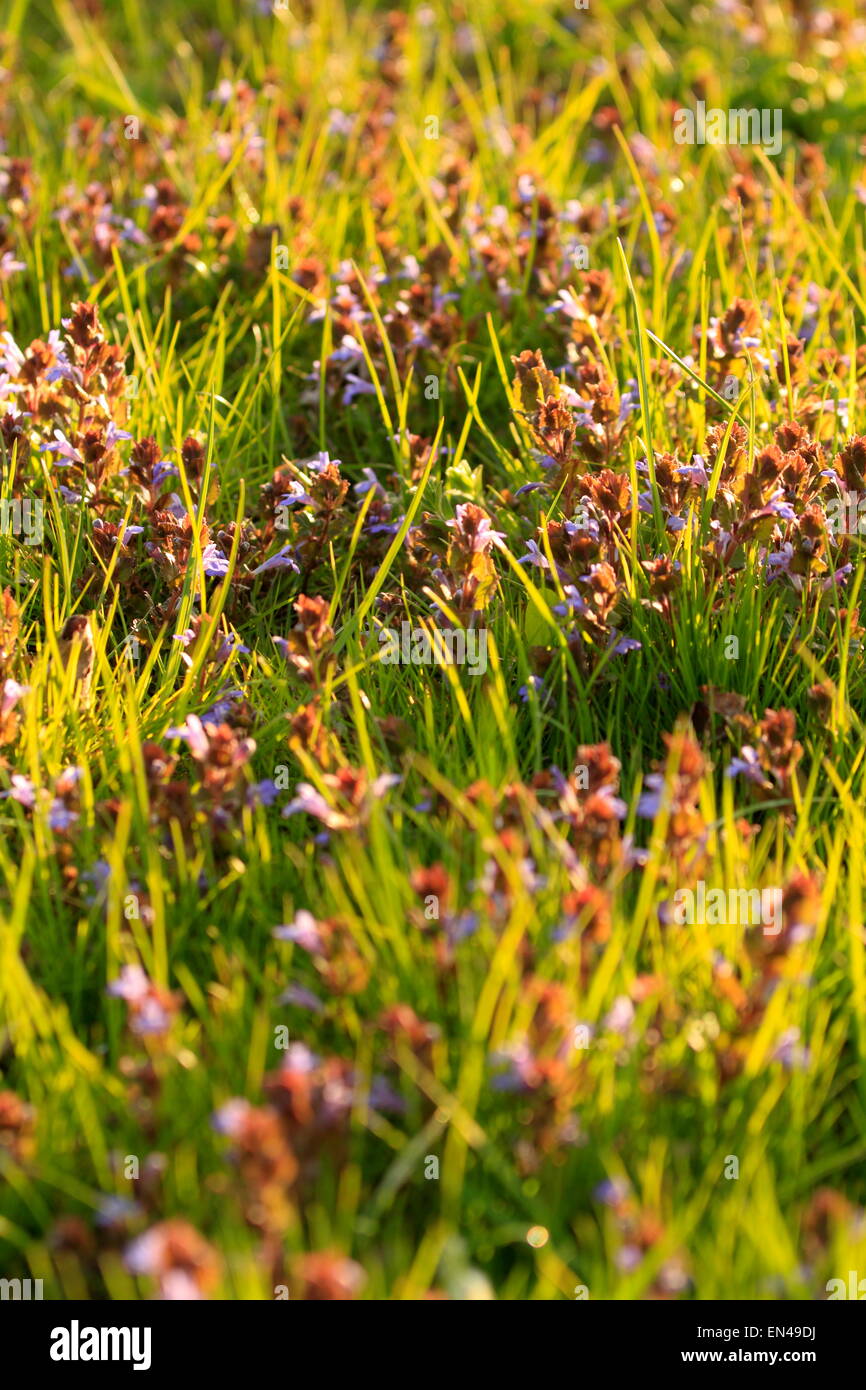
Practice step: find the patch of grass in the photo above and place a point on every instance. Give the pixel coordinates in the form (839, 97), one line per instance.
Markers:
(361, 277)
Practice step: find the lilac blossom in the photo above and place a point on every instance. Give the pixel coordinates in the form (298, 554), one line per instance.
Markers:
(194, 735)
(214, 563)
(301, 998)
(60, 817)
(22, 790)
(284, 559)
(11, 694)
(303, 931)
(61, 446)
(747, 765)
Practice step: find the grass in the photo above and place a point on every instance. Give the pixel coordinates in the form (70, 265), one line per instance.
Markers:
(707, 1042)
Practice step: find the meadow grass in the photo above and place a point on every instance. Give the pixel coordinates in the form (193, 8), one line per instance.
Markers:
(608, 1169)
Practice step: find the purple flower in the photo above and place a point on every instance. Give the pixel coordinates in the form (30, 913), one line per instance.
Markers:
(369, 481)
(295, 497)
(356, 386)
(534, 684)
(572, 602)
(142, 1256)
(632, 856)
(461, 927)
(650, 801)
(384, 783)
(583, 523)
(116, 1211)
(11, 356)
(621, 1016)
(778, 561)
(64, 371)
(230, 643)
(339, 123)
(214, 563)
(229, 1118)
(299, 1058)
(302, 999)
(147, 1255)
(193, 732)
(616, 804)
(61, 446)
(186, 639)
(113, 435)
(263, 793)
(518, 1076)
(534, 556)
(836, 578)
(99, 877)
(629, 402)
(161, 471)
(348, 352)
(311, 802)
(696, 472)
(303, 931)
(384, 1097)
(150, 1017)
(11, 694)
(747, 765)
(60, 817)
(778, 506)
(612, 1192)
(9, 265)
(484, 536)
(132, 985)
(283, 560)
(22, 790)
(790, 1052)
(628, 1258)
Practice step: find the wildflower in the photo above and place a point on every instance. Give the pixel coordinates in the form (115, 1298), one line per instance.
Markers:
(284, 559)
(748, 764)
(193, 732)
(177, 1257)
(61, 446)
(9, 266)
(214, 563)
(296, 496)
(301, 998)
(303, 931)
(60, 817)
(620, 1017)
(335, 953)
(150, 1009)
(790, 1052)
(613, 1192)
(263, 793)
(114, 1213)
(676, 785)
(22, 790)
(10, 695)
(264, 1158)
